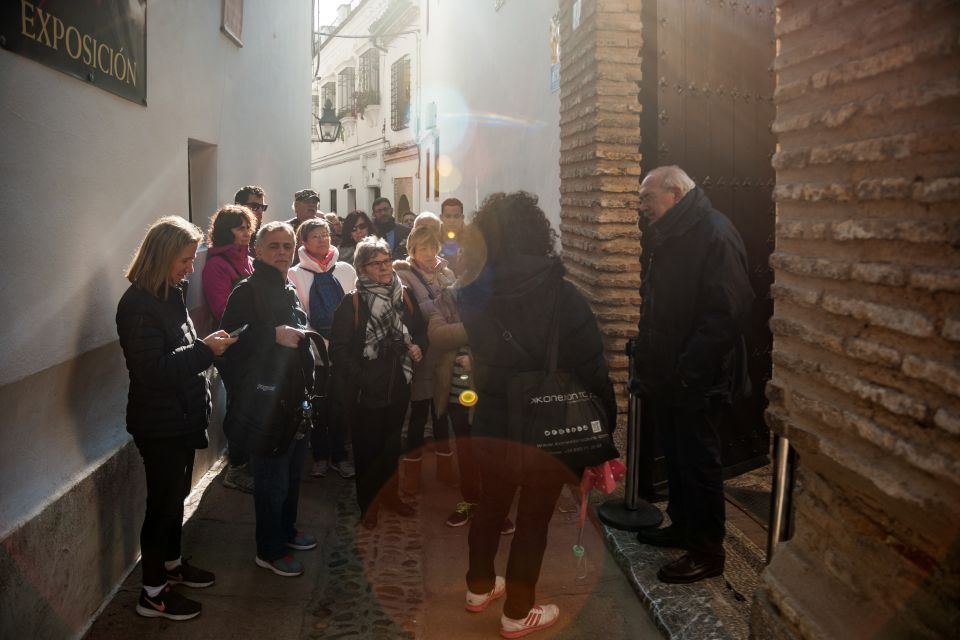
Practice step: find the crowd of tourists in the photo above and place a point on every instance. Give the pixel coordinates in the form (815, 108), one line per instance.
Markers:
(339, 337)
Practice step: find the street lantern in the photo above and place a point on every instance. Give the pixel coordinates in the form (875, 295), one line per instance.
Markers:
(329, 123)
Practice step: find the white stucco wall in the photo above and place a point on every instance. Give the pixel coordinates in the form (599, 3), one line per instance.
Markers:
(84, 172)
(498, 123)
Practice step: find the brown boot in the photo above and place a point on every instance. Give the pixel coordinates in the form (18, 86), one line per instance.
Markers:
(410, 475)
(446, 469)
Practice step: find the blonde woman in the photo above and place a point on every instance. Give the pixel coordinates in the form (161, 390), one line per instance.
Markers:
(167, 405)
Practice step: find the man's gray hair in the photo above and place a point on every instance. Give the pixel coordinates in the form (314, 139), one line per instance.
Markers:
(673, 177)
(367, 249)
(275, 226)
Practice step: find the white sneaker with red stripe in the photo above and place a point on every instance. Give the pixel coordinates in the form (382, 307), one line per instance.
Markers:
(477, 602)
(540, 617)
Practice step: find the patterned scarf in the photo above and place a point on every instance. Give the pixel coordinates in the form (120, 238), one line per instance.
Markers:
(385, 302)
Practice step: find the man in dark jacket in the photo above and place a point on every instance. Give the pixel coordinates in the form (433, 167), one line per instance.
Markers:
(689, 358)
(271, 358)
(389, 229)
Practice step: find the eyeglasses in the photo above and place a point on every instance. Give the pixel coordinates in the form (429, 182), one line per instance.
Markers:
(319, 236)
(362, 226)
(383, 210)
(379, 264)
(256, 206)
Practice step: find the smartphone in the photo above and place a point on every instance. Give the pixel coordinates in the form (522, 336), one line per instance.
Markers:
(236, 332)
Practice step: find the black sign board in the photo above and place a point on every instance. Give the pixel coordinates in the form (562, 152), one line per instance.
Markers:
(102, 42)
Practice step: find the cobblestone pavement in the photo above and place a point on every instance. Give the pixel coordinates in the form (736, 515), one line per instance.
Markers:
(405, 579)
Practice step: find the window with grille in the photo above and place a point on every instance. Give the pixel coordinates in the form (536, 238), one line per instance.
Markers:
(368, 84)
(345, 87)
(400, 94)
(328, 92)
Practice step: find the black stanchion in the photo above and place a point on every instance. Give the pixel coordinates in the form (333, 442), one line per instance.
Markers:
(632, 513)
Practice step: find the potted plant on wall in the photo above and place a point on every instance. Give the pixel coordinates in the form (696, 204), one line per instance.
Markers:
(364, 99)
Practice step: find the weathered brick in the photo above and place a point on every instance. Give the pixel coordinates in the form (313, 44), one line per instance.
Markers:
(818, 267)
(787, 327)
(938, 190)
(890, 399)
(919, 231)
(875, 150)
(884, 189)
(943, 374)
(797, 295)
(912, 97)
(905, 321)
(802, 230)
(951, 329)
(829, 192)
(947, 420)
(872, 352)
(879, 273)
(936, 279)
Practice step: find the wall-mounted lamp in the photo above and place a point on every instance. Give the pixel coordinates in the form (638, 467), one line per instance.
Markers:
(329, 123)
(347, 185)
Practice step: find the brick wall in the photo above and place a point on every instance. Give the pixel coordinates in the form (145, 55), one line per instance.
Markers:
(866, 380)
(600, 164)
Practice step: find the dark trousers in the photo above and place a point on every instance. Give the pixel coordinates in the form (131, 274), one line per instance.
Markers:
(276, 497)
(470, 484)
(376, 449)
(527, 547)
(169, 467)
(328, 436)
(691, 446)
(419, 411)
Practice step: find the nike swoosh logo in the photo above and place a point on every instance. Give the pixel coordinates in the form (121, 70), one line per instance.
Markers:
(159, 607)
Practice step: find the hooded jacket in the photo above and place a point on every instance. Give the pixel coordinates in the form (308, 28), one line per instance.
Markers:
(696, 300)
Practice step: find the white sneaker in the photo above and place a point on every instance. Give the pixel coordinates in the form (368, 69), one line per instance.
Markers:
(477, 602)
(540, 617)
(319, 469)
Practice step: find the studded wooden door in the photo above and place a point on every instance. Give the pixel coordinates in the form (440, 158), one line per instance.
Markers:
(707, 97)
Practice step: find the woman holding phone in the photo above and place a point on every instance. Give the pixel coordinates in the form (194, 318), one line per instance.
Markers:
(168, 404)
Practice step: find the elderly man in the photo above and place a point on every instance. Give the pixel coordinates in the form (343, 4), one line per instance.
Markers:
(690, 358)
(272, 355)
(306, 204)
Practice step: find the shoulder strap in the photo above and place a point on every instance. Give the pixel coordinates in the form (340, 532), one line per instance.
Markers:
(553, 339)
(227, 260)
(409, 302)
(356, 309)
(423, 281)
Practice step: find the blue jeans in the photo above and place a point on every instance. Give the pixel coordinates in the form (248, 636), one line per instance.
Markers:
(276, 493)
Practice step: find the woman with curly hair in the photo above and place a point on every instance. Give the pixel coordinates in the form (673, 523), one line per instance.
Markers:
(513, 286)
(356, 227)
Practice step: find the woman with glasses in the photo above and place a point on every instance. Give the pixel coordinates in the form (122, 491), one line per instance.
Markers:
(321, 281)
(228, 257)
(378, 334)
(356, 227)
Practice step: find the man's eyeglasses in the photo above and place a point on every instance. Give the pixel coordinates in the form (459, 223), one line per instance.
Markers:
(379, 264)
(256, 206)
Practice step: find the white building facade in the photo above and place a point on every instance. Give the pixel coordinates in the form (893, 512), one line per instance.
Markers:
(483, 107)
(367, 70)
(84, 173)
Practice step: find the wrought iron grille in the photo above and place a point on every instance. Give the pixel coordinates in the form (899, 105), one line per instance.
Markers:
(400, 94)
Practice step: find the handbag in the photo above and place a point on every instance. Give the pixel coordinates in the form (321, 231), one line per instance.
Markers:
(550, 411)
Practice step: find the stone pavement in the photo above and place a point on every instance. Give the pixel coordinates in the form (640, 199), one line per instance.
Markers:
(405, 579)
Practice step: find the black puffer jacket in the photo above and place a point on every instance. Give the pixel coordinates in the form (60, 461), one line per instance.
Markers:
(169, 395)
(696, 300)
(520, 293)
(264, 301)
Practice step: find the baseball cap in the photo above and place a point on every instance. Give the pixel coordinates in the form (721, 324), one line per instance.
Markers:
(305, 194)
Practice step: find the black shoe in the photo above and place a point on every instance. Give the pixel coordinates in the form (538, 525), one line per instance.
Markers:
(672, 536)
(190, 576)
(167, 604)
(690, 568)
